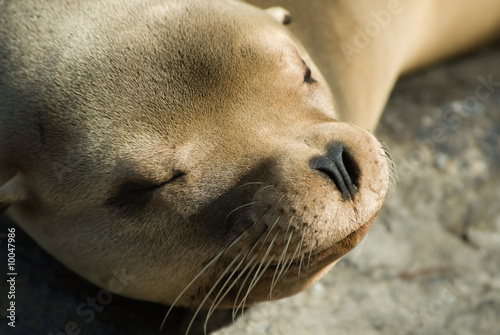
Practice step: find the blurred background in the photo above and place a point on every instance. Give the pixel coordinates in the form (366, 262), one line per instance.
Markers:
(429, 265)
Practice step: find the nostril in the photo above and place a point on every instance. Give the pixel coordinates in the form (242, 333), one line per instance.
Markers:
(340, 167)
(339, 154)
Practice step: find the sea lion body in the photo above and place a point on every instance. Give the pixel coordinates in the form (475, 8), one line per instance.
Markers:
(363, 47)
(193, 146)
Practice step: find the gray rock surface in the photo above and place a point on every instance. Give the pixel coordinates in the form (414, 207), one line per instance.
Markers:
(429, 265)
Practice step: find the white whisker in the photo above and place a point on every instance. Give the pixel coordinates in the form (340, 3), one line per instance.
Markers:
(211, 290)
(234, 271)
(281, 261)
(309, 258)
(235, 281)
(215, 259)
(259, 271)
(302, 255)
(251, 183)
(262, 189)
(238, 208)
(236, 308)
(270, 230)
(255, 281)
(280, 200)
(292, 259)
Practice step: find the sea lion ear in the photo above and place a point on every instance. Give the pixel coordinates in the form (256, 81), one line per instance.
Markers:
(280, 14)
(14, 190)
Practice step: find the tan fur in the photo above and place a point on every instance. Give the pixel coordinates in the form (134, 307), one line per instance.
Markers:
(417, 33)
(173, 140)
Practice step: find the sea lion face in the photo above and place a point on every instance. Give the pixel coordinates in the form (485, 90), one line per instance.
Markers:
(202, 156)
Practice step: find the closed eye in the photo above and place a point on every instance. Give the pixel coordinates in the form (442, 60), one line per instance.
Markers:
(307, 76)
(134, 195)
(148, 186)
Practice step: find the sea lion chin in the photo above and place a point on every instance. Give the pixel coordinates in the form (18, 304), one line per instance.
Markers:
(191, 146)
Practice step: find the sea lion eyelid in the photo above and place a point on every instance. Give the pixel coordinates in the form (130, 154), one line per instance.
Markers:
(135, 194)
(147, 185)
(137, 187)
(307, 76)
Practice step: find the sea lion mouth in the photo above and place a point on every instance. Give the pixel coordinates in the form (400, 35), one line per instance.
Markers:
(328, 255)
(275, 280)
(342, 247)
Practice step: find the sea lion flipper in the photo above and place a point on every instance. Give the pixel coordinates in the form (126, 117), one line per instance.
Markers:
(12, 191)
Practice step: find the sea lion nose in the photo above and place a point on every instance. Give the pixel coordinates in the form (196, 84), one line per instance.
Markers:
(339, 166)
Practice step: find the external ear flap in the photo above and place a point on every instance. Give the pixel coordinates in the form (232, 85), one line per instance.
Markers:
(12, 191)
(280, 14)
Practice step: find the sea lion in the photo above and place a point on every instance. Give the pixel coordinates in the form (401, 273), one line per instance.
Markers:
(172, 141)
(193, 147)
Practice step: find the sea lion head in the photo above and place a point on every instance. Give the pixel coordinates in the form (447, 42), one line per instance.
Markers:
(194, 146)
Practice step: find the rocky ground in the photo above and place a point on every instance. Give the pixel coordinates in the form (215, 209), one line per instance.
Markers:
(429, 265)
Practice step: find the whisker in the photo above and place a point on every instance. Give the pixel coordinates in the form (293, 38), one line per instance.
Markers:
(290, 262)
(234, 271)
(236, 308)
(285, 267)
(211, 290)
(215, 259)
(309, 258)
(270, 230)
(280, 200)
(238, 208)
(251, 183)
(393, 173)
(254, 280)
(302, 255)
(216, 303)
(262, 189)
(280, 261)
